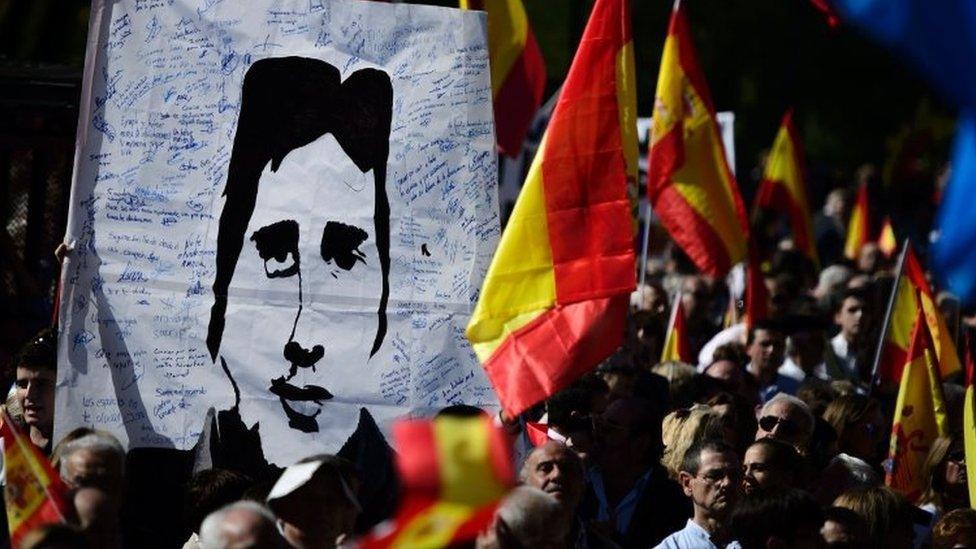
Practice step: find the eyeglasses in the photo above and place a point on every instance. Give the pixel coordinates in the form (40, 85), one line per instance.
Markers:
(716, 475)
(786, 427)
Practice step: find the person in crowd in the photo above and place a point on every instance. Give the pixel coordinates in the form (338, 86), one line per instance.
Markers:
(681, 381)
(842, 474)
(852, 316)
(711, 477)
(860, 427)
(804, 349)
(240, 524)
(527, 517)
(54, 536)
(695, 296)
(945, 475)
(98, 516)
(888, 516)
(955, 530)
(207, 491)
(770, 464)
(870, 259)
(738, 419)
(555, 469)
(315, 501)
(786, 418)
(843, 528)
(95, 460)
(683, 428)
(35, 371)
(832, 281)
(569, 413)
(766, 346)
(651, 297)
(786, 518)
(830, 226)
(629, 492)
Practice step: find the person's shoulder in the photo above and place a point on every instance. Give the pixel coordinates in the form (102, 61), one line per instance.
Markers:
(681, 539)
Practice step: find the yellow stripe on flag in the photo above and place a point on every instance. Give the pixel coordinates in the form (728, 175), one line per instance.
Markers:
(969, 439)
(627, 107)
(465, 462)
(433, 527)
(521, 282)
(508, 28)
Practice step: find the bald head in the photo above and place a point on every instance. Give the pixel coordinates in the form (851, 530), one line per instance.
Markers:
(555, 469)
(239, 525)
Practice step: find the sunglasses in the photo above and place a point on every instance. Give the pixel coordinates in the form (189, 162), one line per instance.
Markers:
(786, 427)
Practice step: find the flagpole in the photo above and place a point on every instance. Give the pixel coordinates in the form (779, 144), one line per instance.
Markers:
(887, 317)
(645, 238)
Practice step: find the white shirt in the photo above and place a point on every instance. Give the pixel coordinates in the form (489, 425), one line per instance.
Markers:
(735, 333)
(692, 536)
(793, 371)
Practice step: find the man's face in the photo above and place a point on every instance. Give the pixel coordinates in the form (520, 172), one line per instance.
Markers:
(783, 421)
(554, 469)
(851, 317)
(766, 351)
(759, 472)
(35, 393)
(694, 296)
(302, 305)
(715, 488)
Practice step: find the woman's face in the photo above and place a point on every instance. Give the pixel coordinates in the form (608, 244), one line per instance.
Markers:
(955, 466)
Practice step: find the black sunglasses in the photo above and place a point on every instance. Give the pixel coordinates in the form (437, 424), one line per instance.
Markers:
(786, 427)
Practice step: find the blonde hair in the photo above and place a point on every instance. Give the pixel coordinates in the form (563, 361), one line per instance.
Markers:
(931, 469)
(882, 509)
(684, 427)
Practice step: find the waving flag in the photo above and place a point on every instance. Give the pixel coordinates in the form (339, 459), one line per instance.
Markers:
(859, 226)
(784, 186)
(689, 181)
(554, 300)
(676, 345)
(518, 73)
(969, 424)
(34, 493)
(913, 289)
(453, 472)
(920, 415)
(938, 38)
(887, 242)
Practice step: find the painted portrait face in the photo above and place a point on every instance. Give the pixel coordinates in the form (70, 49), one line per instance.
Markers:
(306, 288)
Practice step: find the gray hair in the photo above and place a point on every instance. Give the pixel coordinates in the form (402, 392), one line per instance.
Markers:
(795, 402)
(530, 516)
(98, 441)
(212, 534)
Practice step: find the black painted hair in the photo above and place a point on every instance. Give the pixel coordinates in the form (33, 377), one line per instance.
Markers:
(40, 353)
(287, 103)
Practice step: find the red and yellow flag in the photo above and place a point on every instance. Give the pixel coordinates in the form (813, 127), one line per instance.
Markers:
(920, 415)
(518, 73)
(676, 345)
(784, 186)
(912, 283)
(859, 226)
(555, 298)
(887, 242)
(34, 493)
(688, 180)
(453, 472)
(969, 424)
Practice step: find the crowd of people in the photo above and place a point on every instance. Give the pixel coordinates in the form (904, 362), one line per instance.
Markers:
(776, 436)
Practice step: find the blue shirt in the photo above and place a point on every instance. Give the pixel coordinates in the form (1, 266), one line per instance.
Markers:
(624, 510)
(692, 536)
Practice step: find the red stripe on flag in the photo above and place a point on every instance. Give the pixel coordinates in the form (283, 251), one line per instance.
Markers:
(418, 462)
(773, 195)
(700, 242)
(554, 349)
(519, 96)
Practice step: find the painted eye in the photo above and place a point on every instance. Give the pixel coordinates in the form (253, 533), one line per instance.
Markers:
(281, 266)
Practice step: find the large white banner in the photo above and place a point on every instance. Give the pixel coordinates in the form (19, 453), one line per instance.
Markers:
(282, 210)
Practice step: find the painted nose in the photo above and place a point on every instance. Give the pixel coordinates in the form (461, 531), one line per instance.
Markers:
(301, 357)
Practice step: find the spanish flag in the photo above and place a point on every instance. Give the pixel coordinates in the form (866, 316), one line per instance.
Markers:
(453, 473)
(676, 345)
(784, 186)
(887, 242)
(554, 301)
(518, 73)
(34, 493)
(969, 425)
(688, 180)
(859, 226)
(897, 336)
(920, 415)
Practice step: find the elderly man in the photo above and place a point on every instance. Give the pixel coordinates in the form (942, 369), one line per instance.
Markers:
(94, 460)
(711, 476)
(239, 525)
(527, 517)
(787, 418)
